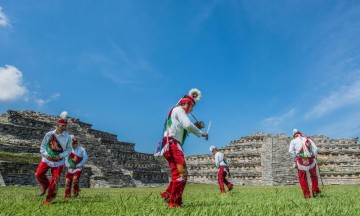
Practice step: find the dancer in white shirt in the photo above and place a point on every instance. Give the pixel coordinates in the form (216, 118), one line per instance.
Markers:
(221, 163)
(55, 147)
(177, 127)
(74, 162)
(304, 151)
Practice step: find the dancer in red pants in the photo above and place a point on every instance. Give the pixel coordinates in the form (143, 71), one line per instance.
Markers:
(177, 127)
(304, 151)
(221, 163)
(55, 146)
(74, 162)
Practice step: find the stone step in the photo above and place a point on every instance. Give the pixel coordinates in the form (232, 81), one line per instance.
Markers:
(2, 182)
(22, 132)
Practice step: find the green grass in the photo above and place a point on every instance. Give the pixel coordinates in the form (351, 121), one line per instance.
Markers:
(198, 200)
(20, 157)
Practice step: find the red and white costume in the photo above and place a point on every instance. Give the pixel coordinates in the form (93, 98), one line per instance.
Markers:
(223, 170)
(74, 162)
(304, 151)
(53, 144)
(178, 125)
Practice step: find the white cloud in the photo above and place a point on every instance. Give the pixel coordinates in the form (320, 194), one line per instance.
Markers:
(348, 126)
(41, 102)
(4, 21)
(11, 86)
(274, 123)
(344, 96)
(119, 67)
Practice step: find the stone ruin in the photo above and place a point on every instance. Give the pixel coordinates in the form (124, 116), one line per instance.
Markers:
(112, 163)
(263, 159)
(258, 159)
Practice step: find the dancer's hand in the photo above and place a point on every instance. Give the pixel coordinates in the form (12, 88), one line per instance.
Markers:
(206, 135)
(294, 166)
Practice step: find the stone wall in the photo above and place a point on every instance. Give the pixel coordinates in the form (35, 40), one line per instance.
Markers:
(112, 163)
(258, 159)
(23, 174)
(263, 159)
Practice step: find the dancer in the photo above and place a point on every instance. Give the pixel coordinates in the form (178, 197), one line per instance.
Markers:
(304, 151)
(55, 147)
(177, 127)
(74, 162)
(221, 163)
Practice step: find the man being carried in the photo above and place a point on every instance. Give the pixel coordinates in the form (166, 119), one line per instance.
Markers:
(221, 163)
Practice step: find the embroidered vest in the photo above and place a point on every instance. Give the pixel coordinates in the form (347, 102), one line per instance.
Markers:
(53, 147)
(74, 160)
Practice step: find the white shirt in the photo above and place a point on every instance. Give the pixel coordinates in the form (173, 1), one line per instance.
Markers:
(80, 152)
(297, 144)
(65, 142)
(179, 123)
(219, 159)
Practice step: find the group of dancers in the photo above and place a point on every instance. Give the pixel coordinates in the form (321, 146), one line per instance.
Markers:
(58, 148)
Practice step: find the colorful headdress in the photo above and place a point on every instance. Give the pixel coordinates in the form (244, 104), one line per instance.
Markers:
(193, 96)
(74, 139)
(63, 118)
(296, 132)
(212, 148)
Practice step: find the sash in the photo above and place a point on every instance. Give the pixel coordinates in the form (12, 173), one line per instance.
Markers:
(305, 164)
(74, 160)
(227, 166)
(53, 147)
(306, 151)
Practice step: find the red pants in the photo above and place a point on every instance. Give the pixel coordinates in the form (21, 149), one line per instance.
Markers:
(72, 179)
(53, 183)
(176, 160)
(222, 179)
(304, 184)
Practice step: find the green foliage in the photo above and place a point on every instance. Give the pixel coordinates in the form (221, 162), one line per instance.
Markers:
(20, 157)
(198, 200)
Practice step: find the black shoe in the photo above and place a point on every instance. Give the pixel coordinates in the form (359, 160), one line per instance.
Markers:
(316, 194)
(76, 194)
(42, 192)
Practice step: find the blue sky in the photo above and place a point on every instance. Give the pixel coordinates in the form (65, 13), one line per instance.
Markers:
(262, 66)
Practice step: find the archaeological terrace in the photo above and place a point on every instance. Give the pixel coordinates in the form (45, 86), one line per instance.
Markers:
(258, 159)
(263, 159)
(112, 163)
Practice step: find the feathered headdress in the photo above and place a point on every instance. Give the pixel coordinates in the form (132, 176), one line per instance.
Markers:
(193, 96)
(295, 131)
(195, 93)
(63, 118)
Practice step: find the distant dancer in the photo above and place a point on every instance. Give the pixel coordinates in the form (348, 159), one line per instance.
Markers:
(304, 151)
(55, 147)
(74, 162)
(221, 163)
(177, 127)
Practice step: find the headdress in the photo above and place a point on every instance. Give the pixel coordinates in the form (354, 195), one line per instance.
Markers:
(193, 96)
(295, 132)
(74, 139)
(212, 148)
(63, 118)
